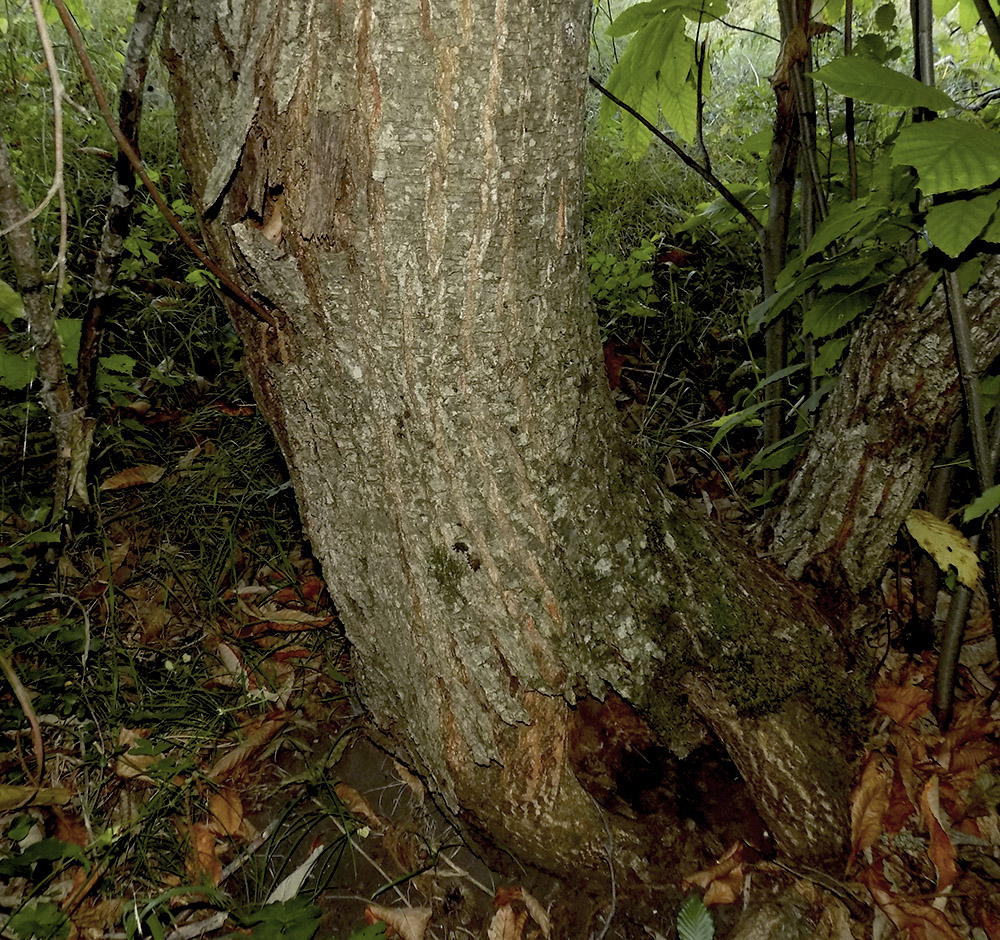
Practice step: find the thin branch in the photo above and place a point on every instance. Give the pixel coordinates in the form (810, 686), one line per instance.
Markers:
(983, 453)
(990, 23)
(24, 700)
(852, 144)
(121, 200)
(231, 286)
(685, 158)
(747, 29)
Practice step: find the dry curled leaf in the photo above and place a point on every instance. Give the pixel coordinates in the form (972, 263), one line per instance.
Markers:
(723, 882)
(538, 913)
(410, 923)
(904, 704)
(140, 475)
(358, 804)
(226, 811)
(940, 850)
(203, 862)
(869, 803)
(507, 924)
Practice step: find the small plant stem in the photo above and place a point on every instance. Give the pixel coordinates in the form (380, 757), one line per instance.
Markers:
(852, 144)
(985, 465)
(121, 202)
(41, 317)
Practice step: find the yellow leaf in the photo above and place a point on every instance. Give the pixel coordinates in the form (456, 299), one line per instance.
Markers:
(946, 545)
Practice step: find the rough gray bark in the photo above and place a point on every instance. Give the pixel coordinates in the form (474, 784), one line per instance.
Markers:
(878, 435)
(402, 183)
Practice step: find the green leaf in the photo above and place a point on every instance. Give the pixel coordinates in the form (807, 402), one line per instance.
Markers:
(949, 154)
(16, 372)
(849, 271)
(831, 312)
(885, 17)
(982, 505)
(638, 15)
(953, 226)
(843, 218)
(864, 79)
(11, 307)
(828, 356)
(635, 17)
(45, 850)
(69, 338)
(117, 362)
(295, 919)
(43, 921)
(679, 106)
(694, 922)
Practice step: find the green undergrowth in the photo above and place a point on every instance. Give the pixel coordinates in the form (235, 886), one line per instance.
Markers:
(672, 298)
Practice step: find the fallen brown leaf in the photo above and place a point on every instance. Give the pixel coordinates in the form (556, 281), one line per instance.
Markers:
(869, 802)
(358, 804)
(507, 924)
(723, 882)
(203, 862)
(140, 475)
(410, 923)
(940, 850)
(918, 918)
(903, 704)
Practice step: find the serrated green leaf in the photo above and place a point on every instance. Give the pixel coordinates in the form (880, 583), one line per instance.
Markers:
(42, 920)
(885, 17)
(637, 16)
(949, 154)
(982, 505)
(831, 312)
(843, 218)
(864, 79)
(679, 106)
(16, 372)
(69, 338)
(968, 16)
(850, 270)
(117, 362)
(828, 356)
(694, 922)
(953, 226)
(11, 307)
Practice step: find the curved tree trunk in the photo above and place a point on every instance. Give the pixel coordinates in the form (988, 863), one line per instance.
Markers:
(402, 183)
(879, 433)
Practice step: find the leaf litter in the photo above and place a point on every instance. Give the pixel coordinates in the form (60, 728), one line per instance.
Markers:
(196, 806)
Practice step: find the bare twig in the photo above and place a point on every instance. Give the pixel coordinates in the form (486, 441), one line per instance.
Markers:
(24, 700)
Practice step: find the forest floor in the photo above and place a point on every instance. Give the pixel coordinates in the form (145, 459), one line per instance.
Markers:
(182, 757)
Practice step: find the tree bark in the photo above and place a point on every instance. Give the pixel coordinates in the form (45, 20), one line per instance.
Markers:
(879, 433)
(402, 182)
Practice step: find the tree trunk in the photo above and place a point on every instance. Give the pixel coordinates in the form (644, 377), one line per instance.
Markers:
(402, 184)
(885, 422)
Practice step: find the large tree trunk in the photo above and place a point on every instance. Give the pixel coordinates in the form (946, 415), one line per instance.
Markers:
(402, 183)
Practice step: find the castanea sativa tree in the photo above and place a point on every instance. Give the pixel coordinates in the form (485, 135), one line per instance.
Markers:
(400, 185)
